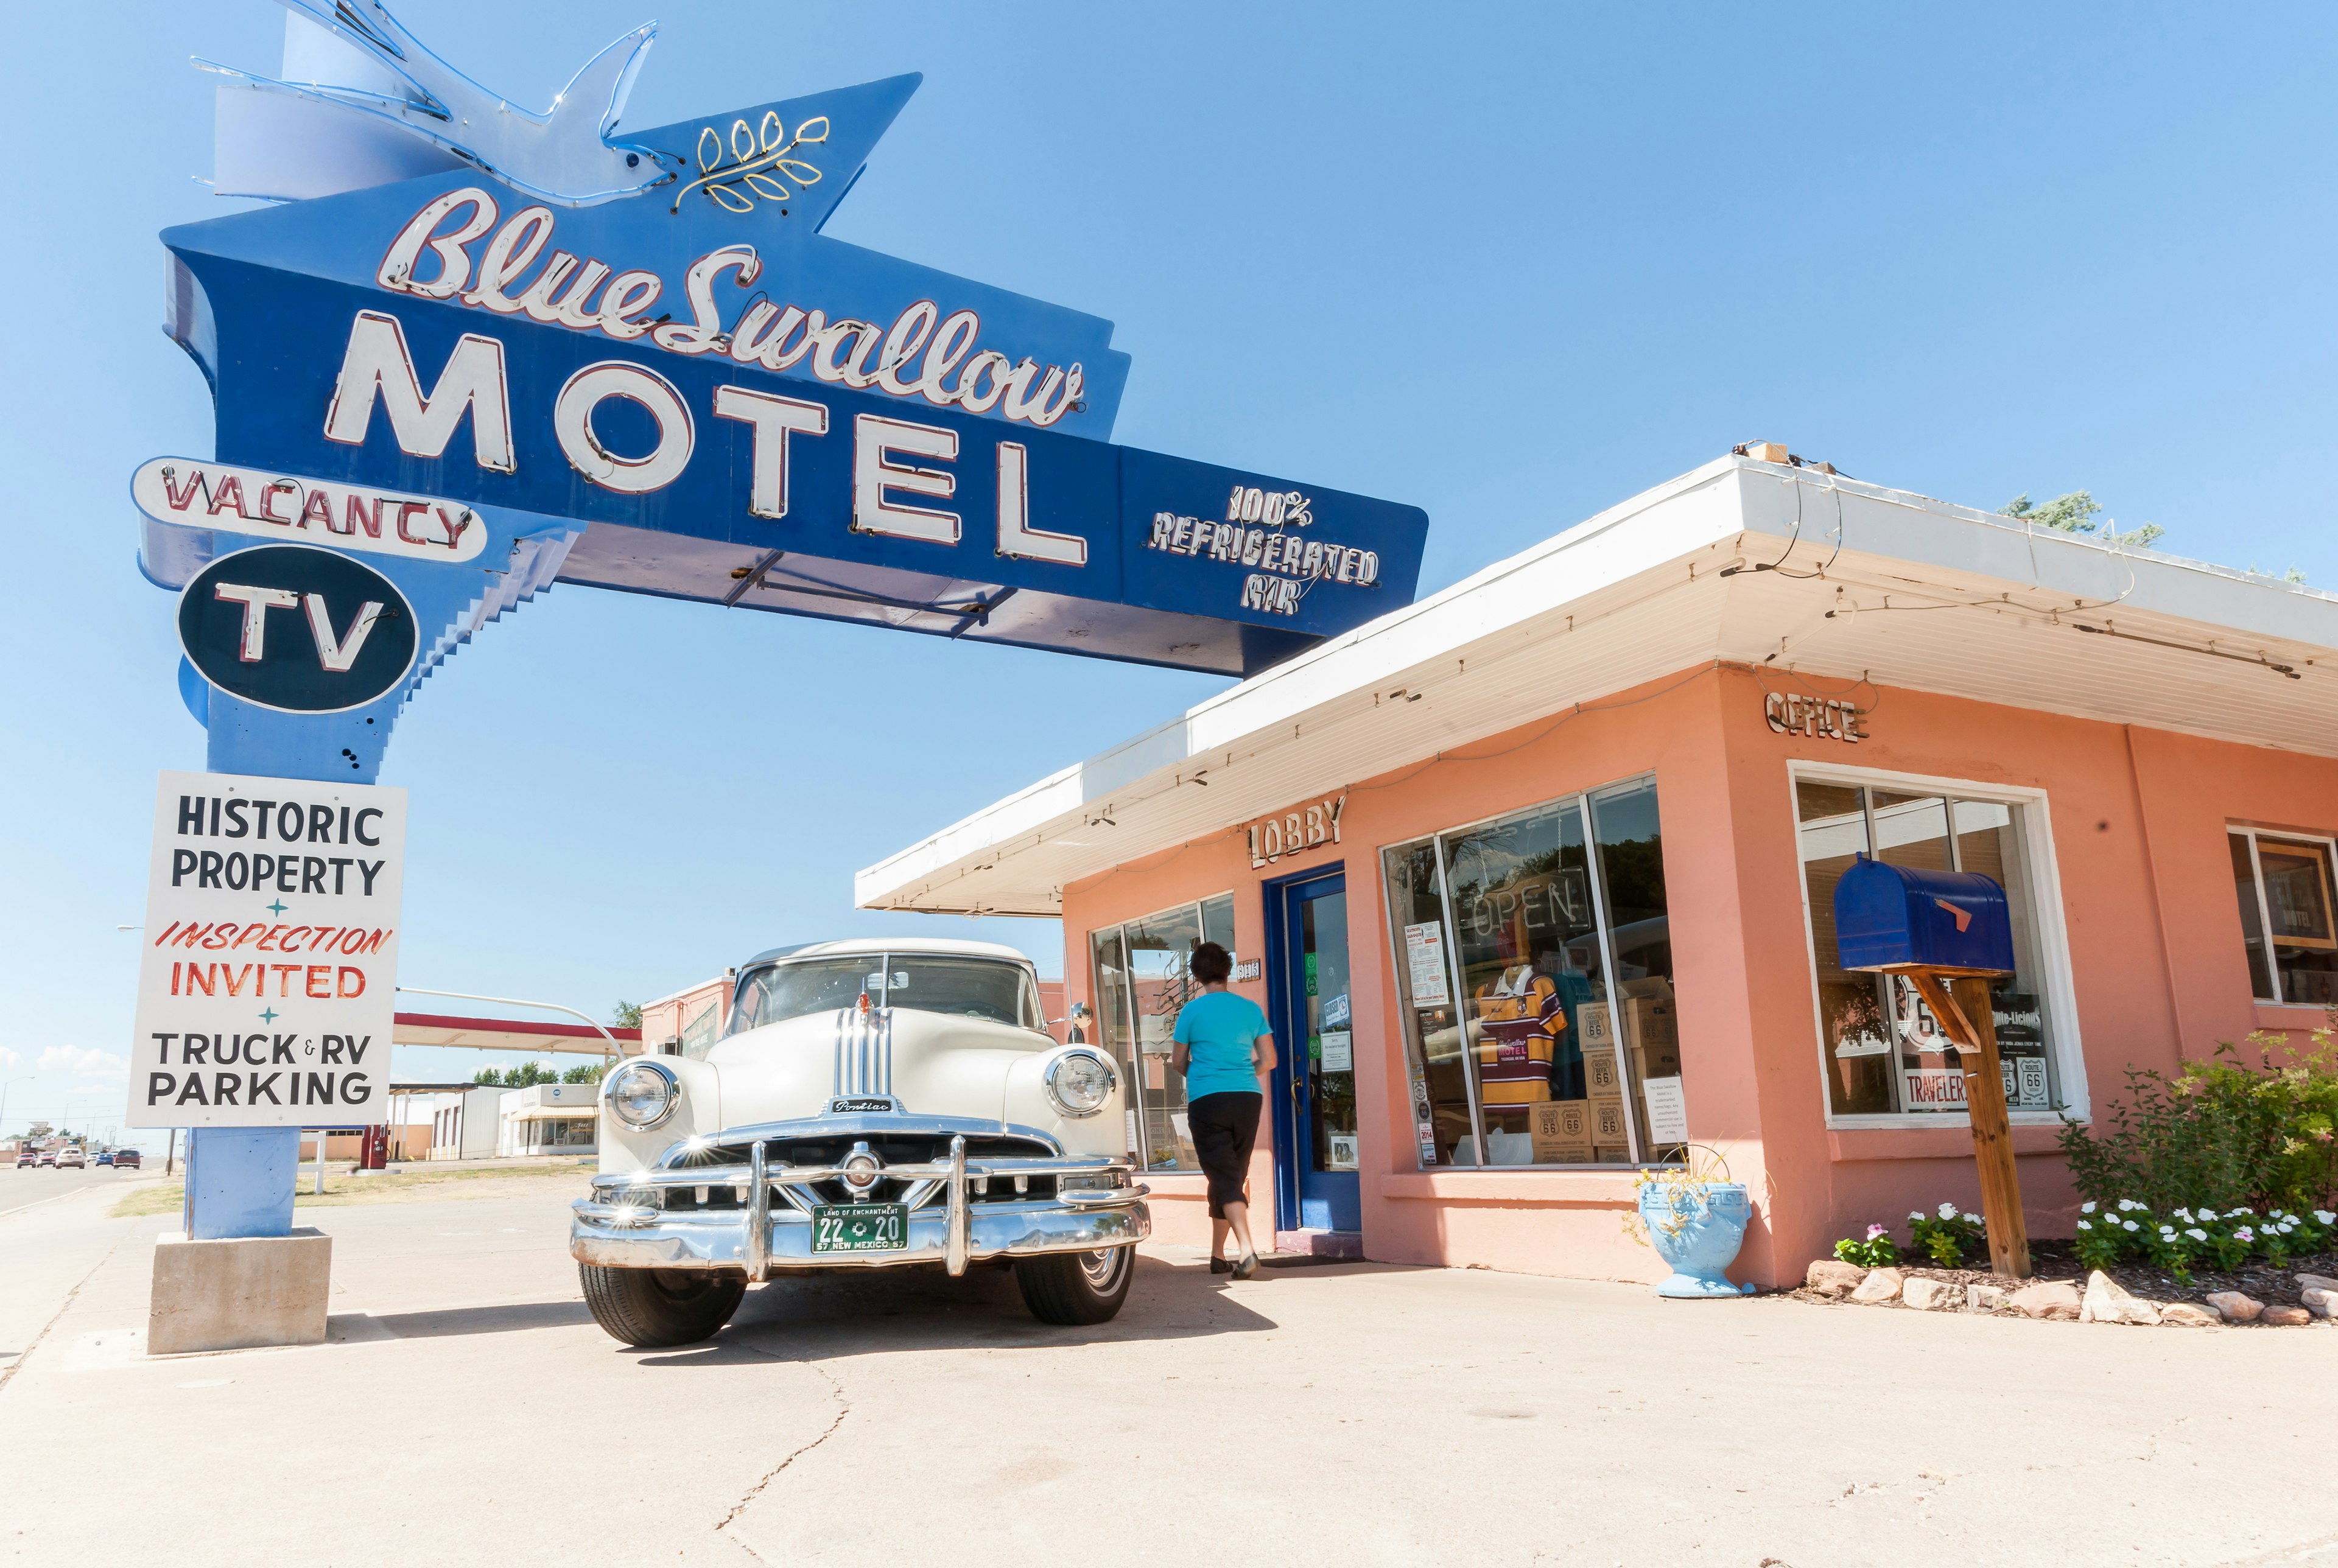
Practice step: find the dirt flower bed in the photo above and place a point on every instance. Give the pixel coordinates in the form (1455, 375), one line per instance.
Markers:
(2053, 1261)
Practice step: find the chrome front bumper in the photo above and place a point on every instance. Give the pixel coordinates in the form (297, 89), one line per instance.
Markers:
(612, 1230)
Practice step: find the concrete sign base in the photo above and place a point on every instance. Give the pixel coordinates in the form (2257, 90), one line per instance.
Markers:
(238, 1294)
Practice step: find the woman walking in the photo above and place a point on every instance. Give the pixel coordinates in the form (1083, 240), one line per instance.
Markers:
(1223, 1049)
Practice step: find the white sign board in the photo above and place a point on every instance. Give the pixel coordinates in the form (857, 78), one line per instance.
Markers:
(1424, 951)
(1667, 1110)
(269, 974)
(1339, 1051)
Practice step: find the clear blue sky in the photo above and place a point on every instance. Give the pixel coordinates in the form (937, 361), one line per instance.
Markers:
(1510, 264)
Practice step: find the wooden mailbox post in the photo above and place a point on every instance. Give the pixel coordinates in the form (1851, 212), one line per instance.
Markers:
(1949, 934)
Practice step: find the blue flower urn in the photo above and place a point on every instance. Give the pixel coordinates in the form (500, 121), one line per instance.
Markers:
(1696, 1228)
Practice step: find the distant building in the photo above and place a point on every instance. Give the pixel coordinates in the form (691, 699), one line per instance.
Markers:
(547, 1119)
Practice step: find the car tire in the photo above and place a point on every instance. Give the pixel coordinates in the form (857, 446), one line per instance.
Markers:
(1076, 1287)
(655, 1308)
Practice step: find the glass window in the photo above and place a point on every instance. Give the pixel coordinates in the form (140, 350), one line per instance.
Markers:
(1631, 883)
(995, 990)
(2286, 888)
(1884, 1050)
(1511, 1033)
(1443, 1107)
(1141, 980)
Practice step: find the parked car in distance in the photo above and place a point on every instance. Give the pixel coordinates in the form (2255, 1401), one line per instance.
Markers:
(104, 1157)
(71, 1157)
(880, 1103)
(27, 1157)
(127, 1160)
(48, 1157)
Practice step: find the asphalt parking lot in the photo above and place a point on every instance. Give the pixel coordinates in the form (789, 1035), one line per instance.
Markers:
(468, 1409)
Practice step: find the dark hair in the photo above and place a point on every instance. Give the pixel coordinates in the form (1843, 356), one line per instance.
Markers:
(1211, 964)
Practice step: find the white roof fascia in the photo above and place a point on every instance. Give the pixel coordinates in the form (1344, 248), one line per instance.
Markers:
(1751, 508)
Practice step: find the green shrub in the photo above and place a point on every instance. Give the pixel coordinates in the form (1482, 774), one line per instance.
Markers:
(2221, 1134)
(1876, 1252)
(1946, 1238)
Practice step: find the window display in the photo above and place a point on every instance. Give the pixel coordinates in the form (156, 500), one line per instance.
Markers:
(2289, 918)
(1141, 982)
(1886, 1055)
(1517, 1052)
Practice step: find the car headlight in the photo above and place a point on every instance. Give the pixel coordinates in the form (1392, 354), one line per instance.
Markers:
(1079, 1083)
(641, 1093)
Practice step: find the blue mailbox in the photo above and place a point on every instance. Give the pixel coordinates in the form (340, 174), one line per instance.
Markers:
(1899, 916)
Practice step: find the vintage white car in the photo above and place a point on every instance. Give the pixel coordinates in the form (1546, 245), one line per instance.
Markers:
(876, 1104)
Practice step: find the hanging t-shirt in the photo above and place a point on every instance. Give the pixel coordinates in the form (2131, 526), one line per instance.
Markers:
(1520, 1020)
(1216, 1028)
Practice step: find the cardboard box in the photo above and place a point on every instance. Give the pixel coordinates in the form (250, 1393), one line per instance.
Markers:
(1656, 1061)
(1650, 1021)
(1561, 1130)
(1591, 1023)
(1607, 1123)
(1618, 1155)
(1601, 1080)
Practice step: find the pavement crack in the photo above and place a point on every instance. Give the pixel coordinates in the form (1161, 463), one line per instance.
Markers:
(843, 1409)
(9, 1372)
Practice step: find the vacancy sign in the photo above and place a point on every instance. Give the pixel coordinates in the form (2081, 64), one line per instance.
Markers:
(269, 974)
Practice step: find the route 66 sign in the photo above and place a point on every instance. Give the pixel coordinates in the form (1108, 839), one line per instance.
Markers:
(297, 629)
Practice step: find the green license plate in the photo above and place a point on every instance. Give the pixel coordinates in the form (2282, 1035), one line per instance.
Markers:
(860, 1228)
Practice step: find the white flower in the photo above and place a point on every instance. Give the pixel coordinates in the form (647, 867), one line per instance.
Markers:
(2086, 1207)
(2086, 1224)
(2324, 1216)
(2185, 1215)
(2167, 1231)
(1974, 1219)
(1915, 1213)
(2196, 1234)
(2244, 1234)
(2235, 1214)
(1948, 1210)
(2129, 1224)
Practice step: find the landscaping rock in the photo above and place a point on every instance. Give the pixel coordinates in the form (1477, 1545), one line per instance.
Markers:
(2056, 1299)
(1879, 1286)
(1984, 1297)
(2286, 1317)
(2184, 1315)
(1930, 1296)
(2236, 1307)
(2107, 1301)
(2315, 1282)
(1831, 1276)
(2321, 1301)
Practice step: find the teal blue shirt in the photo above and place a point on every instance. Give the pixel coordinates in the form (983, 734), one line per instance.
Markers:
(1216, 1028)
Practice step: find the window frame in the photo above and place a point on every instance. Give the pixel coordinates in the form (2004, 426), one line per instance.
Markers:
(1138, 1102)
(2250, 831)
(1399, 973)
(2066, 1047)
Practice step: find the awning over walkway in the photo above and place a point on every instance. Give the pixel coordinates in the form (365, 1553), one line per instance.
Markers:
(508, 1034)
(1792, 571)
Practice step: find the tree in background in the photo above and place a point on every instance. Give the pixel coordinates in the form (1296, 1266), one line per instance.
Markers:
(2075, 514)
(626, 1014)
(520, 1077)
(590, 1073)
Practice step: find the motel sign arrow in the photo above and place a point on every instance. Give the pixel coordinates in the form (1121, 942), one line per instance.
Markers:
(673, 384)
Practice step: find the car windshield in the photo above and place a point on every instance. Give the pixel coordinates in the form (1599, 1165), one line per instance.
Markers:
(986, 988)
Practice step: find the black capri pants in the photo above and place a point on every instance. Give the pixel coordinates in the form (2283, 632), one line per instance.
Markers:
(1225, 1131)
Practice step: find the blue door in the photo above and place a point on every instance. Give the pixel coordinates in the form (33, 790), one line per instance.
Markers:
(1315, 1148)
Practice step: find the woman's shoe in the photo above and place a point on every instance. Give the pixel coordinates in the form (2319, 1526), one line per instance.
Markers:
(1247, 1267)
(1222, 1266)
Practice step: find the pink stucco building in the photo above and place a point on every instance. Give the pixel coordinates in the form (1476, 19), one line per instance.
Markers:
(1533, 877)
